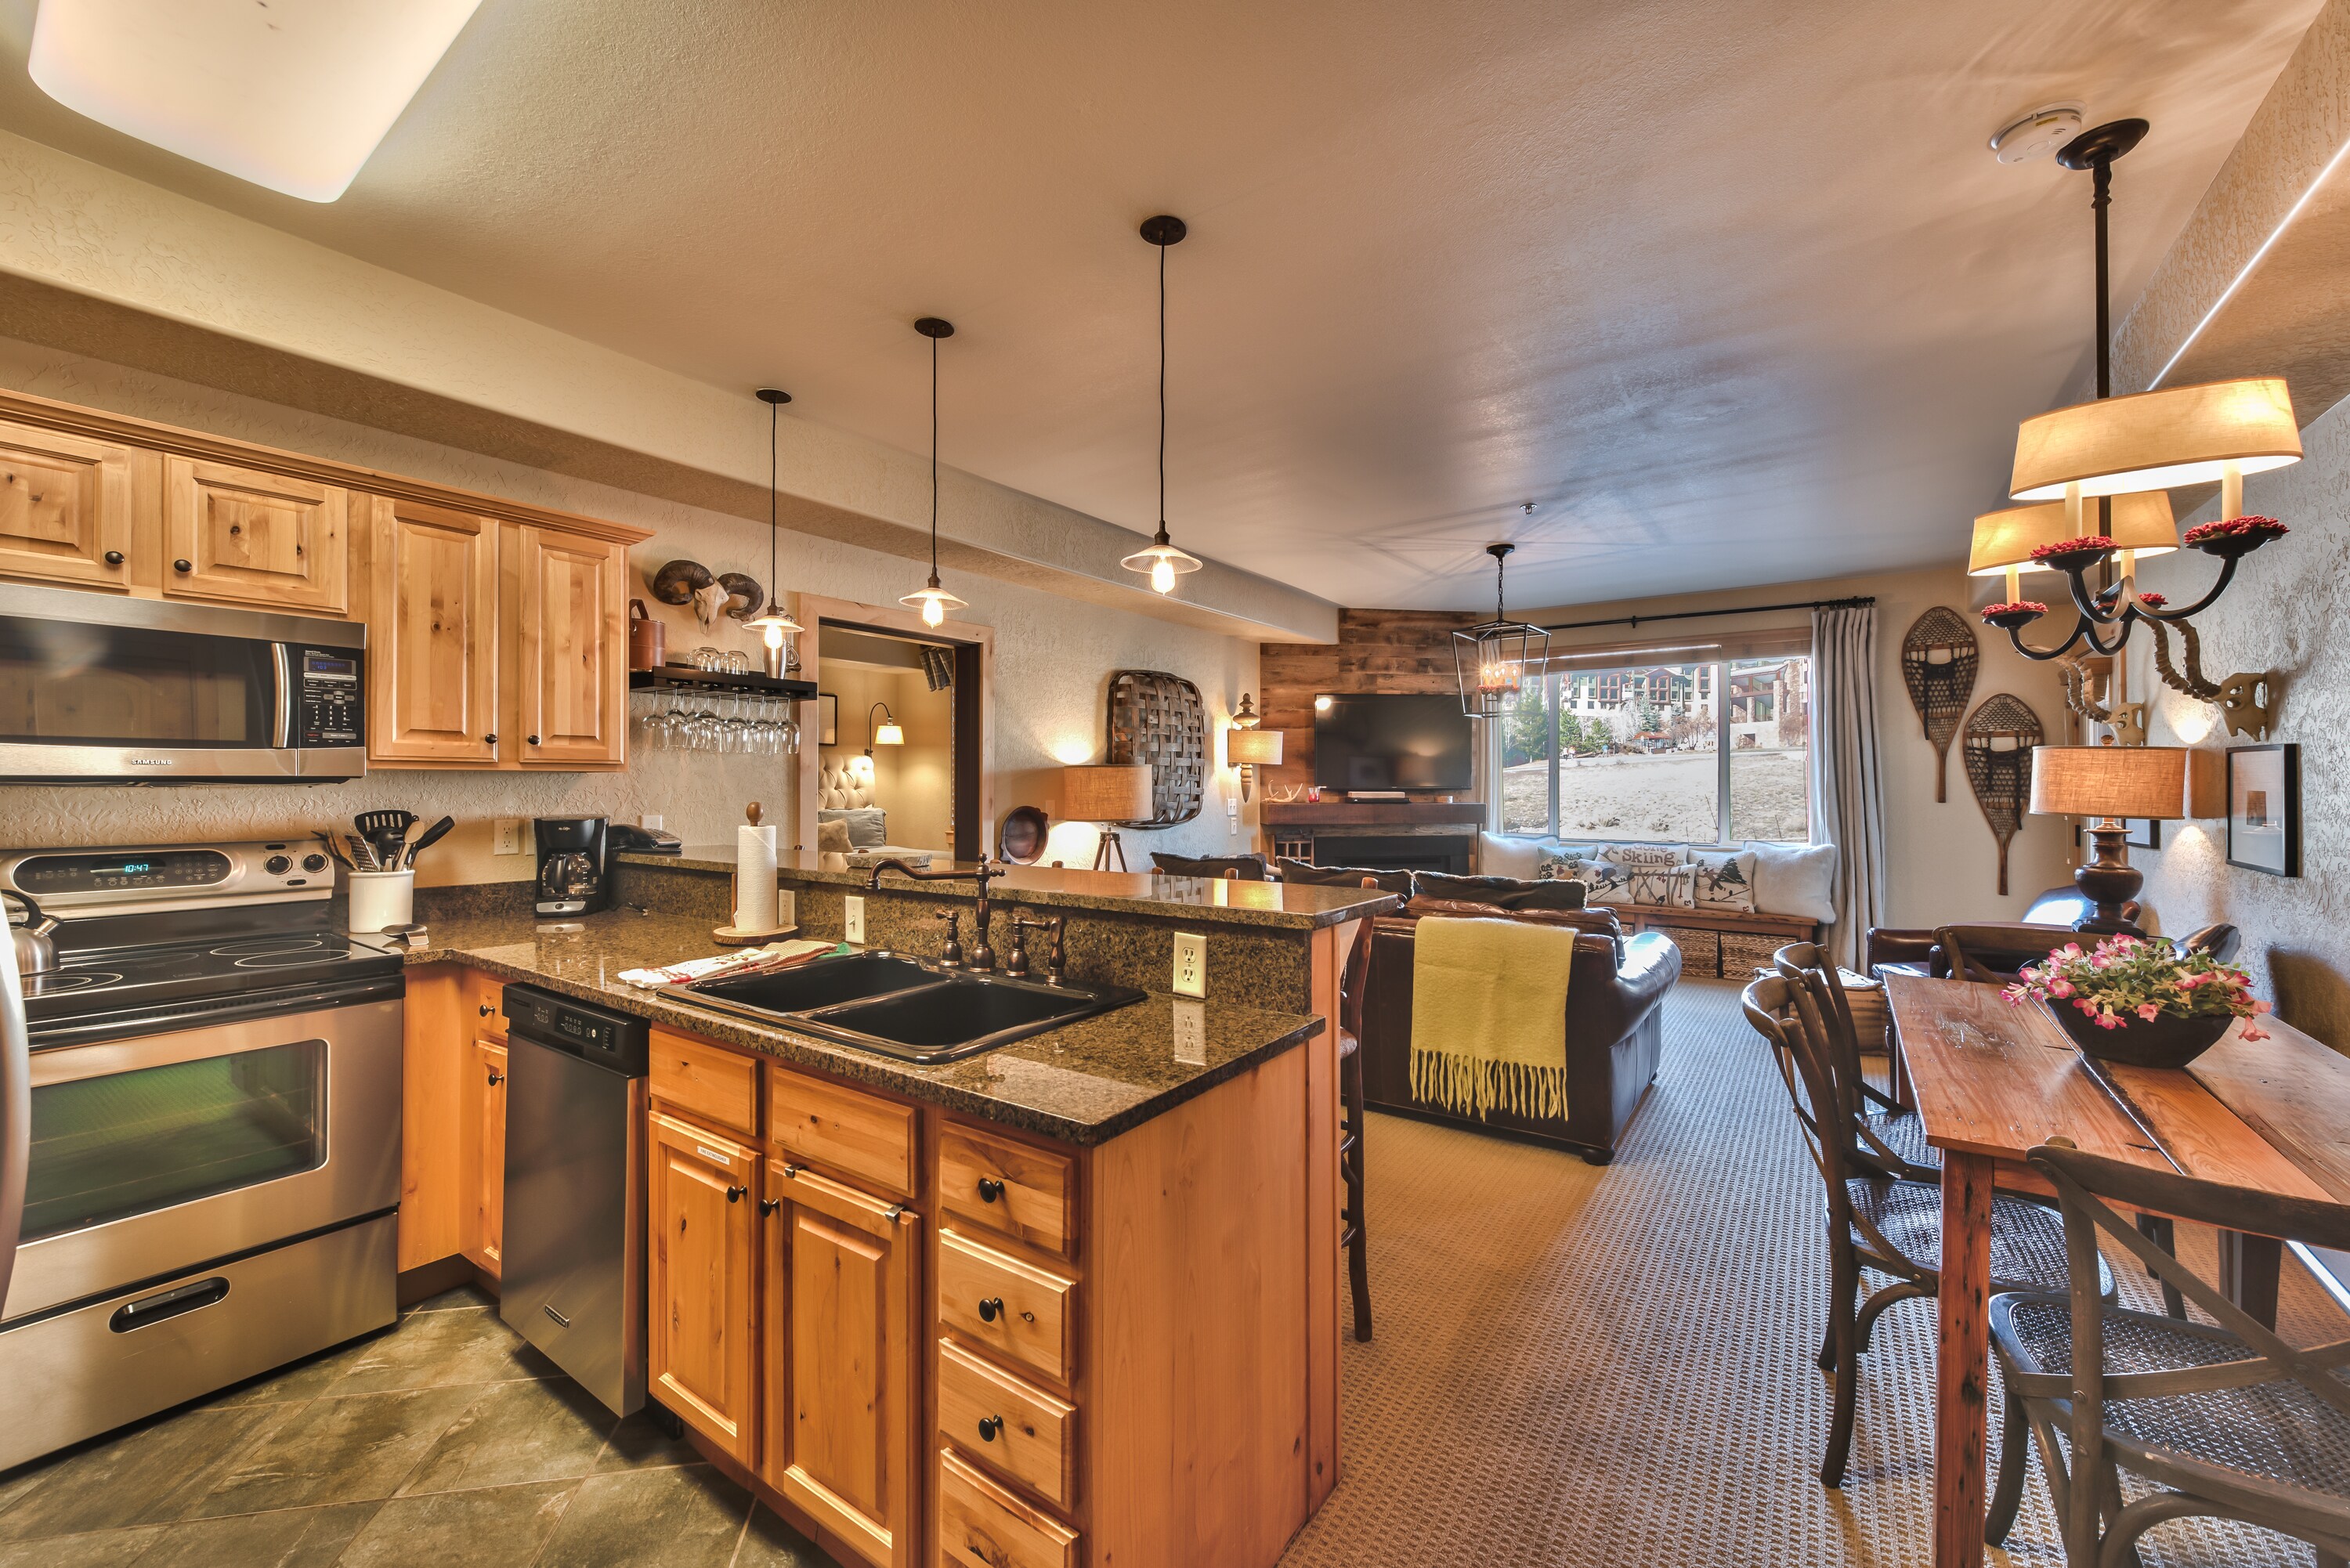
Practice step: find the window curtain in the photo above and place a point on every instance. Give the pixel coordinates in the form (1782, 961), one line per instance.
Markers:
(1847, 793)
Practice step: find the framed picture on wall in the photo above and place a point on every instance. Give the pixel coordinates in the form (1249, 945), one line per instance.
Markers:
(827, 721)
(2264, 809)
(2142, 832)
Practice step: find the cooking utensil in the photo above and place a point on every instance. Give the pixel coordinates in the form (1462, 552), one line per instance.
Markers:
(35, 953)
(335, 848)
(362, 857)
(384, 831)
(430, 836)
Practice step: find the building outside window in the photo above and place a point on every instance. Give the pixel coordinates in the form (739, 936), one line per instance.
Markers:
(1703, 752)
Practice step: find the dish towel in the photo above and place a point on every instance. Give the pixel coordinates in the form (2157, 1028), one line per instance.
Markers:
(1489, 1016)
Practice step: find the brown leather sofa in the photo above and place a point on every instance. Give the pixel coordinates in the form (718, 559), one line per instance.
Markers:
(1615, 1025)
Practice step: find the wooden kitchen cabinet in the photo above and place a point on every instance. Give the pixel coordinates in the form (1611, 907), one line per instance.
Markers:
(842, 1350)
(573, 651)
(483, 1182)
(432, 624)
(249, 536)
(64, 507)
(700, 1266)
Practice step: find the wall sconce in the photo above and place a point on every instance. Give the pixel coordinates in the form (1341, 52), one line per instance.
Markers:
(1248, 747)
(886, 733)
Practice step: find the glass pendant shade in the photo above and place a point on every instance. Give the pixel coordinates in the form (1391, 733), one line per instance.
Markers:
(2157, 440)
(933, 601)
(2005, 539)
(1494, 659)
(774, 624)
(1161, 561)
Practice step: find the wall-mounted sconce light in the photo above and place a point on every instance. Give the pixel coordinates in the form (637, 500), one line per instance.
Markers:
(1249, 747)
(885, 733)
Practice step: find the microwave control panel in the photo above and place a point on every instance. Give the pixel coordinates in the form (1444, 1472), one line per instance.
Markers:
(333, 704)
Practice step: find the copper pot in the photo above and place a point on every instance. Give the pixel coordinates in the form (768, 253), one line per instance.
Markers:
(647, 638)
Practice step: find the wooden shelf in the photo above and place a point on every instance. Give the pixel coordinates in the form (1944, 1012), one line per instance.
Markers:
(675, 679)
(1466, 814)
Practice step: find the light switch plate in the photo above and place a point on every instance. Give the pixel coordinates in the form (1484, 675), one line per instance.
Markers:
(1190, 964)
(852, 919)
(508, 836)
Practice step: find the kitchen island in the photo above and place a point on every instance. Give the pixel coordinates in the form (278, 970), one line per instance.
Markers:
(1072, 1299)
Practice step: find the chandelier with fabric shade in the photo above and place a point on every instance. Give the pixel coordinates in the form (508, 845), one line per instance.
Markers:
(931, 599)
(2088, 465)
(1494, 659)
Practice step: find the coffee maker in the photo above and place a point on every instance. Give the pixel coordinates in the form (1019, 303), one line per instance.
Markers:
(575, 867)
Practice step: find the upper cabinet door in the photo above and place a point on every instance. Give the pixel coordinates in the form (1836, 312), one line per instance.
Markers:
(64, 507)
(432, 635)
(574, 637)
(245, 536)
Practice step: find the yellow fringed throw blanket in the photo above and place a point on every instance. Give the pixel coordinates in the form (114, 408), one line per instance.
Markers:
(1489, 1016)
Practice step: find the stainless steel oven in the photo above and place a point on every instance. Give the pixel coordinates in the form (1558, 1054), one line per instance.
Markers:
(100, 689)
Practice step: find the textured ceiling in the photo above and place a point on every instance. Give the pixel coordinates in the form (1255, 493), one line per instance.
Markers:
(1730, 288)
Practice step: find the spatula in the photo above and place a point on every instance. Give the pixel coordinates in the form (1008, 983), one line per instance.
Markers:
(426, 840)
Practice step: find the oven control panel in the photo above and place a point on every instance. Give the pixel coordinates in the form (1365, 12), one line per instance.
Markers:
(333, 701)
(116, 880)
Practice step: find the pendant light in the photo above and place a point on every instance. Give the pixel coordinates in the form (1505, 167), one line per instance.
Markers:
(774, 623)
(932, 600)
(1493, 658)
(1162, 560)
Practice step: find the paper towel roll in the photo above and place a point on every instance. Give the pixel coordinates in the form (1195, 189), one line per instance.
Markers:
(755, 878)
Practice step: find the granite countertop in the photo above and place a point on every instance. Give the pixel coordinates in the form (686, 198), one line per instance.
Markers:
(1300, 906)
(1082, 1082)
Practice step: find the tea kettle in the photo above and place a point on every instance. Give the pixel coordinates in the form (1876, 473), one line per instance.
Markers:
(30, 943)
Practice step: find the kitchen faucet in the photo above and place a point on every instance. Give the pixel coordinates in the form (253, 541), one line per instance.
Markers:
(983, 957)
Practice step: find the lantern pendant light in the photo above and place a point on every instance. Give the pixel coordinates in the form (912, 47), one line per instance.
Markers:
(1495, 659)
(1162, 560)
(932, 600)
(774, 623)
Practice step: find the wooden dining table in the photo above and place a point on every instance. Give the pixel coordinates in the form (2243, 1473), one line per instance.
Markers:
(1991, 1080)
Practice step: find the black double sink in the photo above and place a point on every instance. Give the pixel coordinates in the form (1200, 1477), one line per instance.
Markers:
(901, 1007)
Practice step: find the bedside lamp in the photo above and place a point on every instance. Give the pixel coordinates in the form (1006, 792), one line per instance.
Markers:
(2106, 783)
(1108, 793)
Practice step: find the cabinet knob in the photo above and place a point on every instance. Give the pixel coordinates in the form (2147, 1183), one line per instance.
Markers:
(530, 739)
(496, 1078)
(484, 1009)
(489, 739)
(769, 1205)
(182, 566)
(991, 1309)
(734, 1194)
(990, 1190)
(114, 557)
(988, 1427)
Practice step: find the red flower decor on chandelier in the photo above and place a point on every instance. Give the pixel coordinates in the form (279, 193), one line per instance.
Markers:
(2094, 544)
(2264, 528)
(2023, 612)
(2152, 601)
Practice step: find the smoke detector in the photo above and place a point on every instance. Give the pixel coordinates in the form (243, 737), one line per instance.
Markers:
(2037, 134)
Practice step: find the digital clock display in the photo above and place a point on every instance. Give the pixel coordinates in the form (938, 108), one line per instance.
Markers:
(71, 873)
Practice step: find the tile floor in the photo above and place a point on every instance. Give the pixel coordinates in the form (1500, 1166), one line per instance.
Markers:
(442, 1440)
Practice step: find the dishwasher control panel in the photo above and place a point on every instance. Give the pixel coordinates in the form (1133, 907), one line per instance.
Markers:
(617, 1042)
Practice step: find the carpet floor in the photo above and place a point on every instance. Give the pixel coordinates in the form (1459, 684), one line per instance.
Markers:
(1613, 1365)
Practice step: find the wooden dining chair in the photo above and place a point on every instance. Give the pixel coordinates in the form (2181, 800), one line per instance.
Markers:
(1354, 1234)
(2227, 1420)
(1893, 1137)
(1877, 1223)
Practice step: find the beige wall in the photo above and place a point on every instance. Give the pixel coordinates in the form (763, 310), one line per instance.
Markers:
(1942, 863)
(2284, 612)
(1054, 658)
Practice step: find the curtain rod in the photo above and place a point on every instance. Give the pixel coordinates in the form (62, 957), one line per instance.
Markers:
(1634, 621)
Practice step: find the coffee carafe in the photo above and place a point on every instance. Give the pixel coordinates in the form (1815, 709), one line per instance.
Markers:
(574, 869)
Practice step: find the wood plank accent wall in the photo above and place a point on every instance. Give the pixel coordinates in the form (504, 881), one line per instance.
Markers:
(1377, 651)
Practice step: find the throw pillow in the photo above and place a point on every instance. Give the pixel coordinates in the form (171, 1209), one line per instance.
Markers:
(1500, 855)
(1556, 862)
(1796, 879)
(868, 825)
(1646, 854)
(1724, 880)
(832, 837)
(1606, 881)
(1665, 886)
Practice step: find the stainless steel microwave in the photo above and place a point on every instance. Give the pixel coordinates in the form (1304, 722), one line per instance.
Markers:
(98, 689)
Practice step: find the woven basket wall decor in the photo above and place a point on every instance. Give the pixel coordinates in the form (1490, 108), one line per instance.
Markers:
(1998, 751)
(1160, 719)
(1938, 659)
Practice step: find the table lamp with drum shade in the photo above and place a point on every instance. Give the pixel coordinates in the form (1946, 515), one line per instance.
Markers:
(2106, 784)
(1108, 793)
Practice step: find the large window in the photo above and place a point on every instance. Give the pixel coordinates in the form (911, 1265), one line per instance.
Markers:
(1706, 751)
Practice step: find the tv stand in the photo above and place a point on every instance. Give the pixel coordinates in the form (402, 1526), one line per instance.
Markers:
(1380, 835)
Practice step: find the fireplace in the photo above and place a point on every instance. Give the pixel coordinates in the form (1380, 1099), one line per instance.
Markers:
(1447, 853)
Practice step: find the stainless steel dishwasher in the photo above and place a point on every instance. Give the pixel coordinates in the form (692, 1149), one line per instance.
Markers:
(573, 1270)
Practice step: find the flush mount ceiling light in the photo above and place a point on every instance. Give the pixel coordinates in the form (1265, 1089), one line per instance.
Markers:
(2037, 134)
(1160, 560)
(932, 600)
(1491, 659)
(774, 622)
(292, 94)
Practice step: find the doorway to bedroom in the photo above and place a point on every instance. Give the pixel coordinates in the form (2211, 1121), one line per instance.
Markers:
(898, 720)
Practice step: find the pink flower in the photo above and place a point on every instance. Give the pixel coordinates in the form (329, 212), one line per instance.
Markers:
(2263, 1006)
(2107, 1021)
(2085, 1005)
(2252, 1033)
(2148, 1011)
(2060, 987)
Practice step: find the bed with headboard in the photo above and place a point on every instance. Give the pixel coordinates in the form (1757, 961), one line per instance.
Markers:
(845, 797)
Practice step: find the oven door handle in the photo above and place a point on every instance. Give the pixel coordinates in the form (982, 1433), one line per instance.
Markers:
(288, 726)
(15, 1117)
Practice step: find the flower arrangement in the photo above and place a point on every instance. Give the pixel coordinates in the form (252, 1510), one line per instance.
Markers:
(2123, 979)
(2243, 529)
(2092, 544)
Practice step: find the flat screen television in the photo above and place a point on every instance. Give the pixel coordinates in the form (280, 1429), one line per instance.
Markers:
(1391, 741)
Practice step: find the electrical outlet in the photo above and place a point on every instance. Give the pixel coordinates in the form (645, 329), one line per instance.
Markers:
(852, 919)
(649, 821)
(788, 907)
(1190, 1031)
(1190, 964)
(508, 836)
